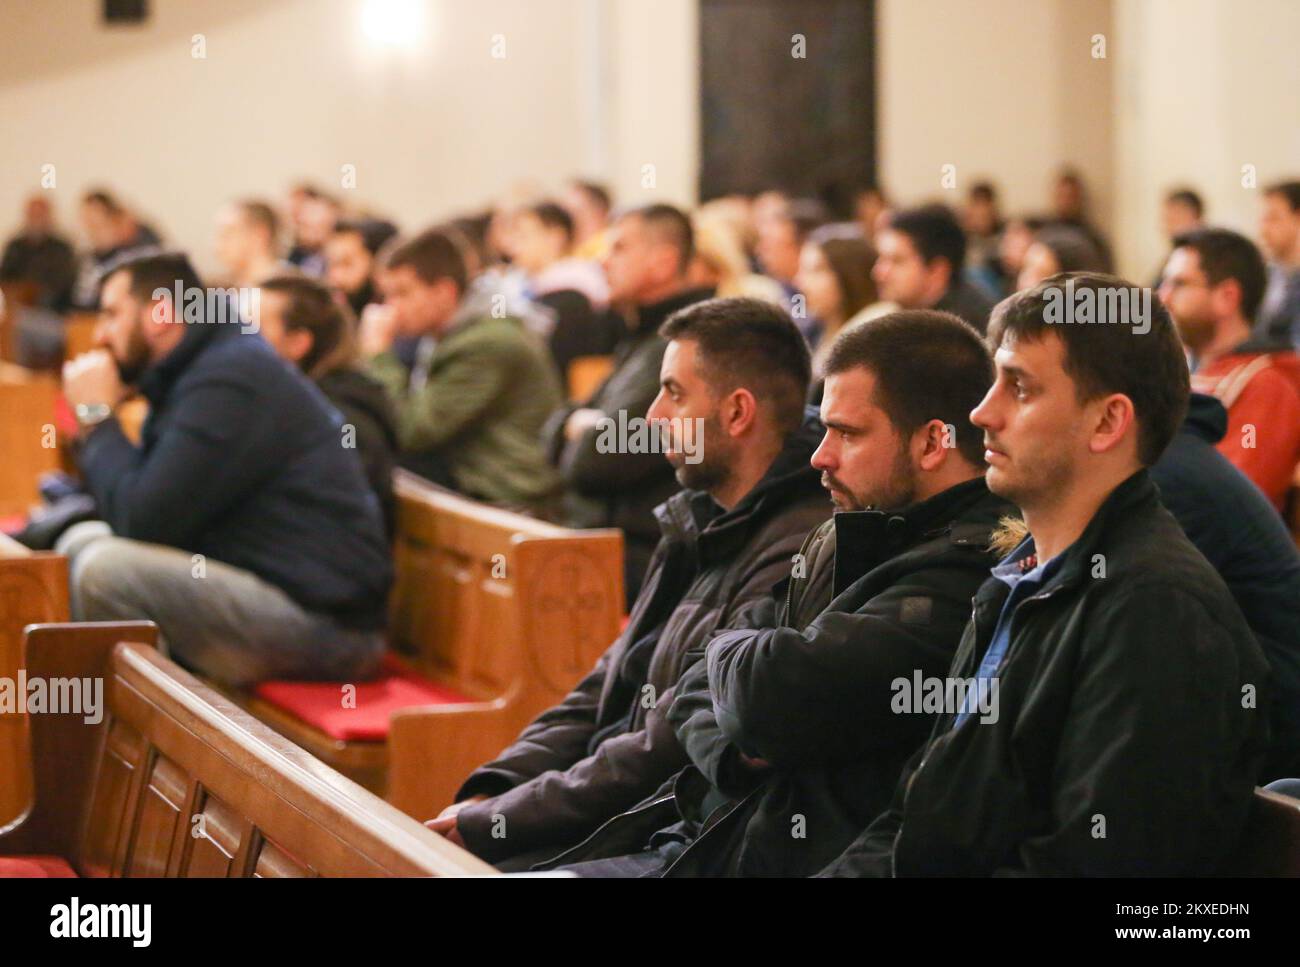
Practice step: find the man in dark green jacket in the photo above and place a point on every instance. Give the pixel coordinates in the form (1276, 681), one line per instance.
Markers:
(1131, 693)
(470, 411)
(798, 726)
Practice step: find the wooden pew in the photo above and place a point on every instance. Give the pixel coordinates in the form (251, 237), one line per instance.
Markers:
(585, 375)
(33, 588)
(1273, 838)
(28, 440)
(176, 781)
(504, 611)
(79, 333)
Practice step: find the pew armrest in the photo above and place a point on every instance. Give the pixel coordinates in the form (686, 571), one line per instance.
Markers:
(433, 748)
(65, 744)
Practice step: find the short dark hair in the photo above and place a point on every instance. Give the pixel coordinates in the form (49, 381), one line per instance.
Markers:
(1224, 255)
(309, 306)
(928, 365)
(1107, 355)
(597, 193)
(1186, 196)
(806, 215)
(553, 216)
(149, 273)
(1289, 191)
(104, 199)
(749, 343)
(985, 191)
(936, 233)
(261, 214)
(433, 255)
(374, 232)
(673, 226)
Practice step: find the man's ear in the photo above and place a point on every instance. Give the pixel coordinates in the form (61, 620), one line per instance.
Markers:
(298, 343)
(932, 444)
(1115, 419)
(739, 412)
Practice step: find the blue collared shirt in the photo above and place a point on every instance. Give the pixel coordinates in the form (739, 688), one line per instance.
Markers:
(1023, 584)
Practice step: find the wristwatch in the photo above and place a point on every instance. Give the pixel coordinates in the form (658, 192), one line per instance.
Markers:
(90, 415)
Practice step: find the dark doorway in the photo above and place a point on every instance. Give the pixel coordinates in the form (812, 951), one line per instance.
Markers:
(772, 119)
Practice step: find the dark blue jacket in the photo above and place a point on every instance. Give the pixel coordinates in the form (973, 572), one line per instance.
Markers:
(1233, 524)
(242, 461)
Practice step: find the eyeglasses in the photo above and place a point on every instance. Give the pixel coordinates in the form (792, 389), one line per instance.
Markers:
(1175, 284)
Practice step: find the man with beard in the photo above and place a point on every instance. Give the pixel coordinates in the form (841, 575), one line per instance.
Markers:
(241, 524)
(797, 727)
(1132, 717)
(350, 260)
(1213, 285)
(736, 370)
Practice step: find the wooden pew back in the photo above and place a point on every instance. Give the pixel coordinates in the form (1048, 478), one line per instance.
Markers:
(28, 441)
(79, 333)
(33, 588)
(484, 596)
(175, 780)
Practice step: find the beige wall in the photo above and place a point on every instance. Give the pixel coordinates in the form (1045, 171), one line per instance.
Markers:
(1006, 89)
(1207, 87)
(1190, 90)
(294, 88)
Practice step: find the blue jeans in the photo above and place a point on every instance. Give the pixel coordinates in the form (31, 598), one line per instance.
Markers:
(220, 621)
(1287, 787)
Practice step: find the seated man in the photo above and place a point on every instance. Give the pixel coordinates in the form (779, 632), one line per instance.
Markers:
(649, 256)
(921, 258)
(798, 728)
(306, 327)
(1213, 285)
(470, 410)
(1130, 729)
(734, 378)
(243, 527)
(1232, 523)
(350, 255)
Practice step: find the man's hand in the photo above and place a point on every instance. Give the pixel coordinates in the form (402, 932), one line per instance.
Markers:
(377, 331)
(445, 824)
(580, 421)
(93, 378)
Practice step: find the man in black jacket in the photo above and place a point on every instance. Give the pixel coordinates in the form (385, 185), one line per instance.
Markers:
(241, 524)
(734, 378)
(797, 727)
(650, 253)
(1130, 690)
(309, 329)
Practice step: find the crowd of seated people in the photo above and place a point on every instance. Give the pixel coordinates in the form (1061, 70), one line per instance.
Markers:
(864, 422)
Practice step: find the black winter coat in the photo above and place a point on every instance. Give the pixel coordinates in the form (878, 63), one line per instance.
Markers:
(1131, 722)
(607, 745)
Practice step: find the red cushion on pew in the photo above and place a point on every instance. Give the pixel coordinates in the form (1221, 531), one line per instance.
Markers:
(319, 704)
(35, 868)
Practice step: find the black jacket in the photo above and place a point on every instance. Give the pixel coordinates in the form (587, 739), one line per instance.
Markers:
(364, 405)
(607, 745)
(1130, 724)
(621, 489)
(814, 697)
(1233, 524)
(241, 461)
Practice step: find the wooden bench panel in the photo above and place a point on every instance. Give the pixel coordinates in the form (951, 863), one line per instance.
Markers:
(27, 403)
(79, 333)
(178, 781)
(505, 609)
(33, 589)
